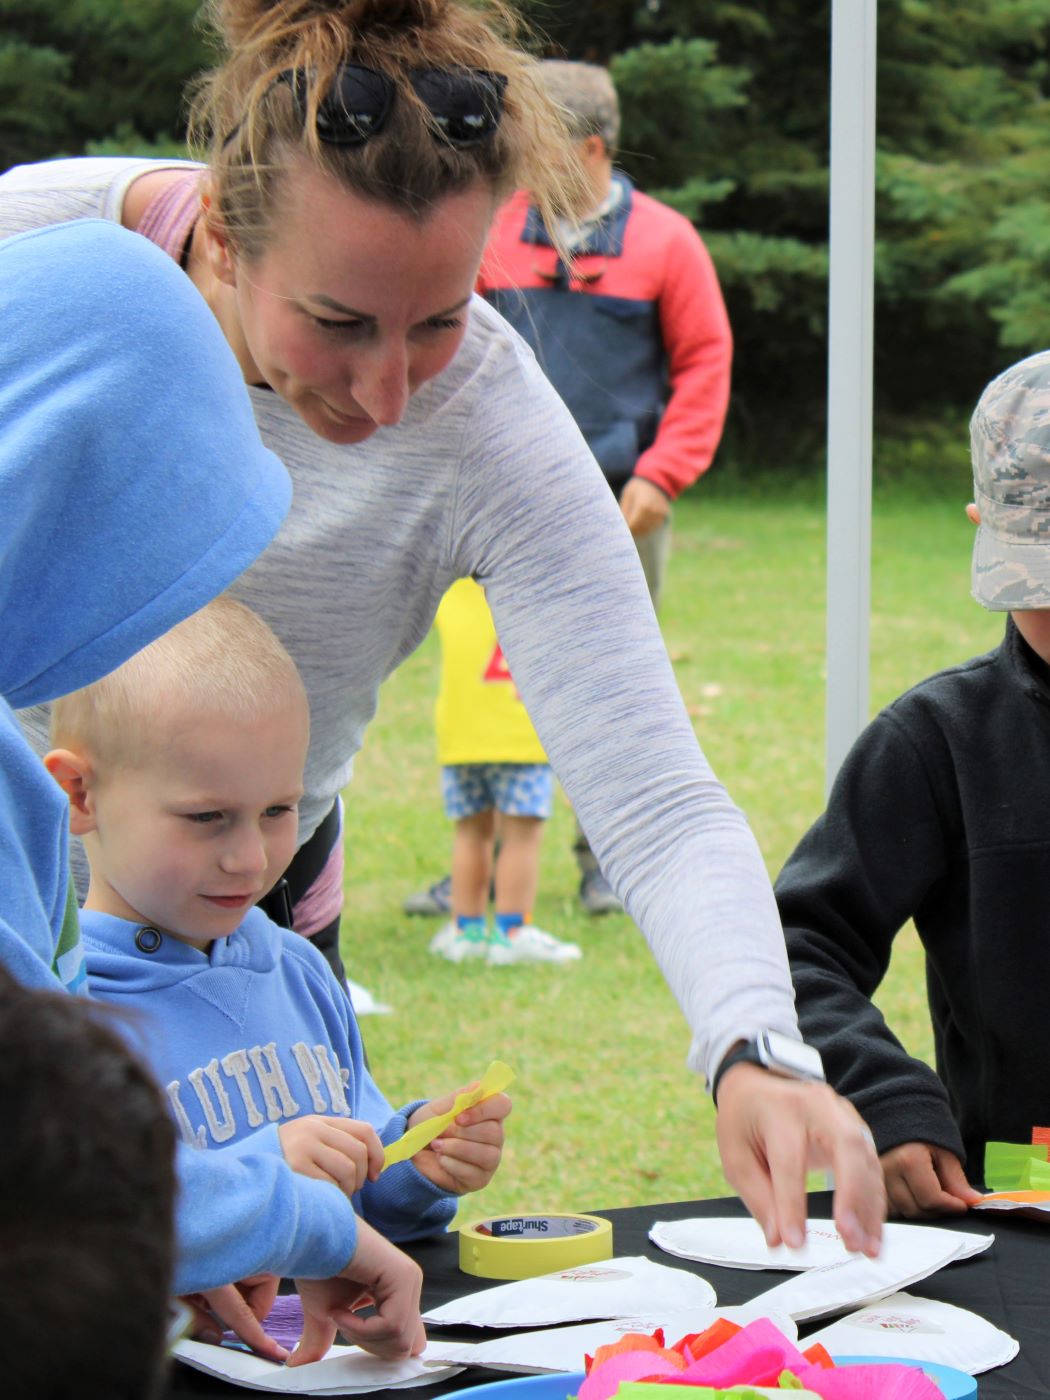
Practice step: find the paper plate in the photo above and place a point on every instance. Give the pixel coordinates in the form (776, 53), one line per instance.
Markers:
(956, 1385)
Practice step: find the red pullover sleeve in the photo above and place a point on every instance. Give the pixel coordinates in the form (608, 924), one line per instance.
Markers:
(699, 347)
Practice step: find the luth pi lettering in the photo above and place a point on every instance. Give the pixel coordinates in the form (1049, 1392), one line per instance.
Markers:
(253, 1081)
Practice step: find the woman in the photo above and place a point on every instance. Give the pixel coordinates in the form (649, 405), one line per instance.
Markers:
(357, 154)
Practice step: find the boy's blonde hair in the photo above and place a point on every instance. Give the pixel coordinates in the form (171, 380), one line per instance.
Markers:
(222, 660)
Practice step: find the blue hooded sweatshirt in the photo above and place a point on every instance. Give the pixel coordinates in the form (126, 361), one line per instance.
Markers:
(256, 1031)
(133, 489)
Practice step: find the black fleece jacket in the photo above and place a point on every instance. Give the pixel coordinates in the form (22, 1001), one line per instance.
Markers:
(941, 814)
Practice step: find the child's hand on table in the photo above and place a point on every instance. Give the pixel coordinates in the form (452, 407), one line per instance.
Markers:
(345, 1151)
(240, 1307)
(465, 1157)
(923, 1180)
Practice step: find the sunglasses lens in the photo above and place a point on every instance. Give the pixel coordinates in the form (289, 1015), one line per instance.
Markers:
(466, 104)
(355, 106)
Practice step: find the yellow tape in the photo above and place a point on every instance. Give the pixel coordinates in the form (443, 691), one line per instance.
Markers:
(525, 1246)
(493, 1081)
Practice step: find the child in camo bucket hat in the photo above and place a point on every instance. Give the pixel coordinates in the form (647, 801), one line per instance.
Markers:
(1010, 444)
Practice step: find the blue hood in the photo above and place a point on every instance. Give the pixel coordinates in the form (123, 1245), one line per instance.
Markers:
(133, 484)
(133, 488)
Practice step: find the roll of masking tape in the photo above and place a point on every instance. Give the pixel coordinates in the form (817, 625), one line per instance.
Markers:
(525, 1246)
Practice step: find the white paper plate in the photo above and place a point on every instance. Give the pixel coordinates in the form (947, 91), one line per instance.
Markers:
(630, 1286)
(919, 1327)
(907, 1255)
(737, 1243)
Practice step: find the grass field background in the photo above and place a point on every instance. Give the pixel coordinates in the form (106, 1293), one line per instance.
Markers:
(605, 1112)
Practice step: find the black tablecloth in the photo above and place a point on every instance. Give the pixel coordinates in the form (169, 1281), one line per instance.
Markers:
(1008, 1284)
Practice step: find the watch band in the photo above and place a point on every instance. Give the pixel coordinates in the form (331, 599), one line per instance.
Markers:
(777, 1053)
(745, 1053)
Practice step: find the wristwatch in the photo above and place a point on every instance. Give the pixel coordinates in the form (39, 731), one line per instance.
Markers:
(778, 1053)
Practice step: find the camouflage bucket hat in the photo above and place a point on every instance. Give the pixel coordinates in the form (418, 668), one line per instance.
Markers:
(1010, 446)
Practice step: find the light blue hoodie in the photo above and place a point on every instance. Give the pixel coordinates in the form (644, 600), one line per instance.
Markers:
(256, 1031)
(133, 489)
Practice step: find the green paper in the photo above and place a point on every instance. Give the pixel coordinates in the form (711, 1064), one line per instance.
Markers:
(1009, 1166)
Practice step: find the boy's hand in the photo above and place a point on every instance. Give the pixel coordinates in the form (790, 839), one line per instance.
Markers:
(241, 1307)
(772, 1131)
(378, 1276)
(925, 1180)
(465, 1157)
(343, 1150)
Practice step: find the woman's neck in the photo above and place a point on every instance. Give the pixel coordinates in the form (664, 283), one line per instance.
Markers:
(222, 300)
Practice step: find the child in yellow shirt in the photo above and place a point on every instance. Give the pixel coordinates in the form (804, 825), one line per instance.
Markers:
(492, 762)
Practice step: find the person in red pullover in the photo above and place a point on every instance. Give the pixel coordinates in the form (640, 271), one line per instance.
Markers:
(633, 334)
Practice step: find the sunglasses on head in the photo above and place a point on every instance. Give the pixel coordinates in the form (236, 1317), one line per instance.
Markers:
(465, 104)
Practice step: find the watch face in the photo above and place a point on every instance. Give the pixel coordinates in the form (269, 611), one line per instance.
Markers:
(780, 1052)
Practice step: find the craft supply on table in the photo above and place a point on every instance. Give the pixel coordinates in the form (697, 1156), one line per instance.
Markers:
(493, 1081)
(725, 1360)
(623, 1286)
(734, 1243)
(525, 1246)
(927, 1330)
(905, 1258)
(561, 1348)
(344, 1371)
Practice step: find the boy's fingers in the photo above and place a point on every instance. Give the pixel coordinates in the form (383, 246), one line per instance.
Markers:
(491, 1110)
(339, 1168)
(316, 1340)
(232, 1308)
(953, 1178)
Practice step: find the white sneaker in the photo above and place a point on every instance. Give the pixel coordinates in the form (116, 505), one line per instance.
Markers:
(528, 944)
(457, 947)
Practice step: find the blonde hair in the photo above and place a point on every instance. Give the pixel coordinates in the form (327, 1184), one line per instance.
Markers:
(222, 660)
(249, 122)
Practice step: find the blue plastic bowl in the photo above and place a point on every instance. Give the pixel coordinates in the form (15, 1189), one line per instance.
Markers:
(956, 1385)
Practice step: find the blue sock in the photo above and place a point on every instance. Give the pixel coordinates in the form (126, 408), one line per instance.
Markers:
(507, 924)
(471, 926)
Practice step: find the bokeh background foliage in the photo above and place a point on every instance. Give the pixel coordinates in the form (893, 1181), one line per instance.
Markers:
(726, 117)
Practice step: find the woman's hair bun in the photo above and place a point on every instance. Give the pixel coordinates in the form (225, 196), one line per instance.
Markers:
(247, 21)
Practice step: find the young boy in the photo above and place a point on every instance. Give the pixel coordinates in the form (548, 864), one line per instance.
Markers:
(183, 769)
(941, 814)
(492, 762)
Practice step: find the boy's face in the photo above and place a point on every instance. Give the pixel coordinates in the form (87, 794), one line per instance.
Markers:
(190, 838)
(1034, 627)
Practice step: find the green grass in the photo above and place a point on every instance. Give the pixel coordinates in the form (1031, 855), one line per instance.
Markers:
(605, 1112)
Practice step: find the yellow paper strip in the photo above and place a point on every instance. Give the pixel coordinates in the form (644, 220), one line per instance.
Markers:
(496, 1078)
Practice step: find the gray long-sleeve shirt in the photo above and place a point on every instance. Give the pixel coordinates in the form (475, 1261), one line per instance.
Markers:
(487, 475)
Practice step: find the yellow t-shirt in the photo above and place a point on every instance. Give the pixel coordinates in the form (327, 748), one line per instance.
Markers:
(479, 716)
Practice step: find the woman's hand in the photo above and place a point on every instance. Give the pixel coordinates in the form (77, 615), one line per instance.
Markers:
(773, 1130)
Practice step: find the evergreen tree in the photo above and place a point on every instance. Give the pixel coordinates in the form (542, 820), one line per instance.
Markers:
(963, 233)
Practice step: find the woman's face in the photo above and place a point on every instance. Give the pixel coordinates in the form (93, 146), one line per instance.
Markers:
(354, 305)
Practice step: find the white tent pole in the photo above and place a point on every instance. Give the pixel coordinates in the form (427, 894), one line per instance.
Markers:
(850, 315)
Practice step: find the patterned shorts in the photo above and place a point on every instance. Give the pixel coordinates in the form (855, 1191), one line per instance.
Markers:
(518, 789)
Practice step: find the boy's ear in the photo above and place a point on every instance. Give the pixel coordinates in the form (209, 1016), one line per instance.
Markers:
(73, 773)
